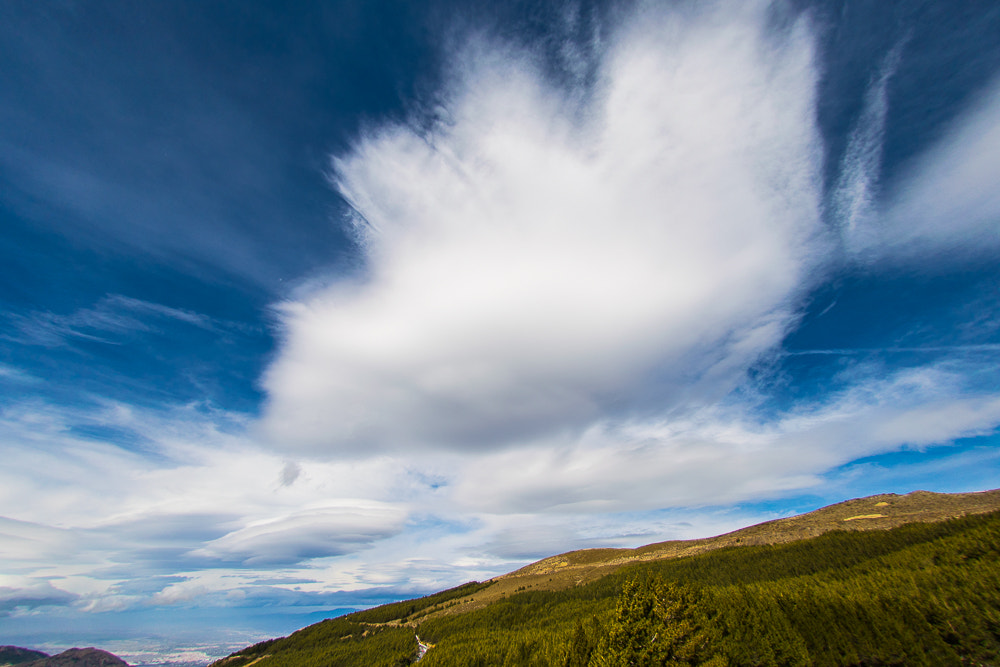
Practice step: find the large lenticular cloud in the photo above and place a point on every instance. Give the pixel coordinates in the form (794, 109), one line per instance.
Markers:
(537, 264)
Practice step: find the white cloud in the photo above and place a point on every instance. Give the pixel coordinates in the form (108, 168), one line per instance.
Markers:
(107, 321)
(25, 541)
(945, 204)
(26, 599)
(721, 457)
(223, 525)
(11, 374)
(530, 273)
(332, 530)
(198, 495)
(856, 193)
(950, 201)
(183, 591)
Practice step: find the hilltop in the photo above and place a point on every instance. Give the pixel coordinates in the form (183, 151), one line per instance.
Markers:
(879, 512)
(883, 580)
(15, 655)
(76, 657)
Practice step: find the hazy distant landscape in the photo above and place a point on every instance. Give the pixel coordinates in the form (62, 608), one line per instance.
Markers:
(600, 309)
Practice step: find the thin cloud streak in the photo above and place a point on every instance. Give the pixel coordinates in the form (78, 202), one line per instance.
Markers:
(946, 205)
(930, 349)
(107, 321)
(856, 193)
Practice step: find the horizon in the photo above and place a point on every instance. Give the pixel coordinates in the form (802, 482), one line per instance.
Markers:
(309, 309)
(194, 656)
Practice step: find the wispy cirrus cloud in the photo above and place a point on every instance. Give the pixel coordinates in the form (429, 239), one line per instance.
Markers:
(856, 193)
(948, 202)
(108, 321)
(944, 205)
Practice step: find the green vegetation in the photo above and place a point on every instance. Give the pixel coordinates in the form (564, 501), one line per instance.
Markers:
(920, 594)
(408, 609)
(337, 641)
(371, 637)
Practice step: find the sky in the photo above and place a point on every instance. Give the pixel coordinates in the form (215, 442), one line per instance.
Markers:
(309, 307)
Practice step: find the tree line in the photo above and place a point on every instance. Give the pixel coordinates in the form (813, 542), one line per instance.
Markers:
(920, 594)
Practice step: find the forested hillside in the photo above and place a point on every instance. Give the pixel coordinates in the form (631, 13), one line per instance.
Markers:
(918, 594)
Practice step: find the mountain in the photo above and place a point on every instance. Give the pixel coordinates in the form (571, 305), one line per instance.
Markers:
(880, 512)
(15, 655)
(883, 580)
(79, 657)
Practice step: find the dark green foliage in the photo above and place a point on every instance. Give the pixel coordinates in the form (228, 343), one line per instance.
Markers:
(583, 644)
(531, 628)
(333, 643)
(921, 594)
(402, 610)
(658, 623)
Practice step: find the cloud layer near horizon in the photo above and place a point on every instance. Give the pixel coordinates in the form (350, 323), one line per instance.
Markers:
(543, 259)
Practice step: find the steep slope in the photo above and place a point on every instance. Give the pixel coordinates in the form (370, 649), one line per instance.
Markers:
(880, 580)
(879, 512)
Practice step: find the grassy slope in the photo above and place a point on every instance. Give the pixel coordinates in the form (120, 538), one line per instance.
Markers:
(852, 596)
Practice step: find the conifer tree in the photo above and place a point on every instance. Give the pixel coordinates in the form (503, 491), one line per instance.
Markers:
(656, 623)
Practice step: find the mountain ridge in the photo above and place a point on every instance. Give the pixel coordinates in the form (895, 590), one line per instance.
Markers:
(16, 655)
(581, 566)
(913, 506)
(880, 580)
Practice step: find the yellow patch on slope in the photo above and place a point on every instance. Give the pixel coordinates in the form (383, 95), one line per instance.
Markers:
(865, 516)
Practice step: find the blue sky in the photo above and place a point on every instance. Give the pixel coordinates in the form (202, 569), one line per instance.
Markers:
(309, 308)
